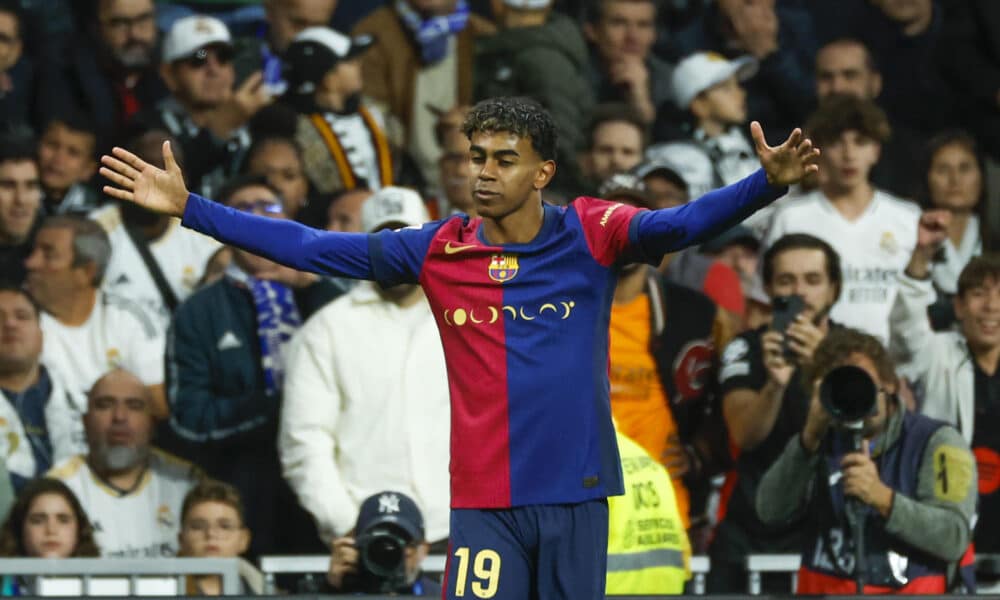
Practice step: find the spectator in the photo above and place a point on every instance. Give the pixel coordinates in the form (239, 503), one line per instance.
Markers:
(47, 521)
(343, 141)
(656, 561)
(622, 65)
(873, 231)
(17, 71)
(67, 160)
(212, 526)
(915, 479)
(225, 365)
(954, 182)
(616, 139)
(957, 369)
(155, 262)
(87, 330)
(287, 18)
(366, 403)
(689, 162)
(969, 51)
(660, 364)
(20, 203)
(707, 86)
(204, 112)
(279, 159)
(396, 514)
(453, 171)
(344, 213)
(421, 61)
(738, 248)
(665, 186)
(132, 491)
(845, 66)
(40, 419)
(764, 406)
(541, 54)
(107, 70)
(779, 36)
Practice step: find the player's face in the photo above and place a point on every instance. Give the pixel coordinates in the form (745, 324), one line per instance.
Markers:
(505, 173)
(954, 179)
(50, 528)
(802, 272)
(978, 312)
(51, 274)
(205, 80)
(288, 17)
(617, 147)
(842, 68)
(118, 422)
(849, 159)
(280, 163)
(20, 333)
(20, 195)
(214, 530)
(65, 157)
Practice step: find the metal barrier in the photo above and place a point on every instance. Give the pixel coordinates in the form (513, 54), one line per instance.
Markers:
(700, 566)
(106, 576)
(771, 563)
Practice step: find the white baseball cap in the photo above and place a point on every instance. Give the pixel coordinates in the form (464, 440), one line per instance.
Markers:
(395, 205)
(687, 160)
(339, 44)
(190, 34)
(528, 3)
(701, 70)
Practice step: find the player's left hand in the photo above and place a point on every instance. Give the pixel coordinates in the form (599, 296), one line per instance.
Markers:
(788, 163)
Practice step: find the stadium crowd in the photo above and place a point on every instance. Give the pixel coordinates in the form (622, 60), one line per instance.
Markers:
(165, 395)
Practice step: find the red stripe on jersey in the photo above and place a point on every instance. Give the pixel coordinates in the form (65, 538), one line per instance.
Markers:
(468, 307)
(605, 225)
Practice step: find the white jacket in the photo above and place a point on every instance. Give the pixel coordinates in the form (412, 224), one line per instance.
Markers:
(366, 409)
(938, 362)
(63, 420)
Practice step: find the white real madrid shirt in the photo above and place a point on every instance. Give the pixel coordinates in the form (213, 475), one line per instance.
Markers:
(873, 249)
(118, 333)
(139, 523)
(181, 253)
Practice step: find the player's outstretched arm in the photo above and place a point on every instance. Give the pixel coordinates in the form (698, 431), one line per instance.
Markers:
(281, 240)
(667, 230)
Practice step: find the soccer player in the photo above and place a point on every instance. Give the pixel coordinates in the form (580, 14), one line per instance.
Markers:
(522, 295)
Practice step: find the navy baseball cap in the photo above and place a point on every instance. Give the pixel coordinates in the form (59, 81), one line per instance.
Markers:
(394, 508)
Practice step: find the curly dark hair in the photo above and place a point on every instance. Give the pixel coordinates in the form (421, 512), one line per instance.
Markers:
(839, 345)
(11, 542)
(521, 116)
(840, 113)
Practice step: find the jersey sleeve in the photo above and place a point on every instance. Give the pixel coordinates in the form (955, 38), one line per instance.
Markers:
(741, 366)
(398, 256)
(282, 240)
(606, 226)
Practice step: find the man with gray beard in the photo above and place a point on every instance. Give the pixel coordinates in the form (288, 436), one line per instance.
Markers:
(131, 491)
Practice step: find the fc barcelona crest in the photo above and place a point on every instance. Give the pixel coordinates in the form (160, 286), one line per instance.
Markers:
(503, 267)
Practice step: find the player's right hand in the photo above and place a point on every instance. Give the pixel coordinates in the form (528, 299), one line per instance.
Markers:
(135, 180)
(343, 560)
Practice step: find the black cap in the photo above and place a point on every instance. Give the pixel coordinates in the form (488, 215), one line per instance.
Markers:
(395, 508)
(316, 50)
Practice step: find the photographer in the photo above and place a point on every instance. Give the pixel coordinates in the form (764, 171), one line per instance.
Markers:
(764, 406)
(385, 554)
(912, 486)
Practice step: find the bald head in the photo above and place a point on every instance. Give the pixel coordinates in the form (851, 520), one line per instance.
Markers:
(119, 421)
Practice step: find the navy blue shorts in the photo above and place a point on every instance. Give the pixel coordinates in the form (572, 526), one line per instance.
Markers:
(542, 552)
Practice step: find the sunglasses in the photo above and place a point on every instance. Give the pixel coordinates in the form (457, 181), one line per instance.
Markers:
(223, 55)
(266, 207)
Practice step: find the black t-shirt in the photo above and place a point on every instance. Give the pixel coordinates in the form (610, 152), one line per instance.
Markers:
(986, 447)
(743, 368)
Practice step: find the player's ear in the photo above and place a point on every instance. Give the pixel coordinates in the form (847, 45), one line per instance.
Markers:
(544, 175)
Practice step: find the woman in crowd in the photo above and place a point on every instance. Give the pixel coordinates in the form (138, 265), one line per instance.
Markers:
(954, 182)
(47, 521)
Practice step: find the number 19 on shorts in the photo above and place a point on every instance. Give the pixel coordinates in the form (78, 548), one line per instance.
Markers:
(485, 573)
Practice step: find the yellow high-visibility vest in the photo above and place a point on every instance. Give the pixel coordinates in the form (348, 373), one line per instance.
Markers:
(648, 548)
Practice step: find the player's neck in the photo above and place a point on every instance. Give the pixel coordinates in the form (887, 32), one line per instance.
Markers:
(850, 202)
(518, 227)
(73, 310)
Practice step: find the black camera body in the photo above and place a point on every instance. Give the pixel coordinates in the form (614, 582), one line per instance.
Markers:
(382, 558)
(849, 394)
(784, 311)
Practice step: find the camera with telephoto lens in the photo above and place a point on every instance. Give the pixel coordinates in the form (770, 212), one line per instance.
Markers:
(382, 557)
(849, 394)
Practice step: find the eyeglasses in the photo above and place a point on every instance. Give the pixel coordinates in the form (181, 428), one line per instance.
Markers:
(265, 207)
(224, 528)
(223, 56)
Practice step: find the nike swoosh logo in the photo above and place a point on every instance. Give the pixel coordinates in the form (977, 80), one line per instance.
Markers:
(449, 249)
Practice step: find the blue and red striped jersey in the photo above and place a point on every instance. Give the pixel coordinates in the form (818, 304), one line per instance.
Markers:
(524, 326)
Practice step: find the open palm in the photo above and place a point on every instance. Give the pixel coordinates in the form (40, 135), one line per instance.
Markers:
(135, 180)
(788, 163)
